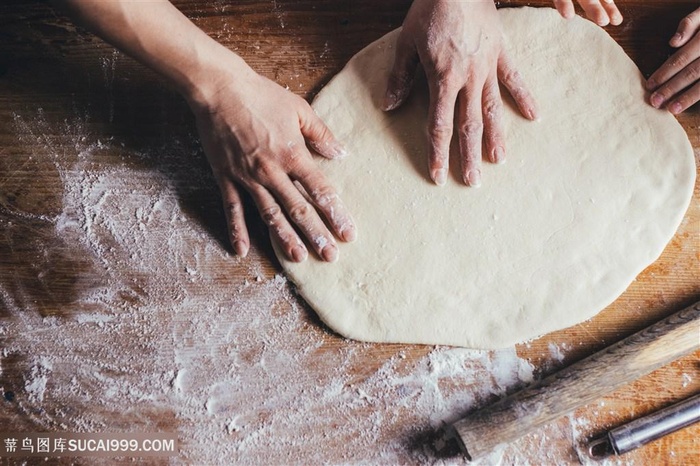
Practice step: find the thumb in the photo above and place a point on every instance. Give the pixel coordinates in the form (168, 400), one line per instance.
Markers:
(318, 136)
(402, 73)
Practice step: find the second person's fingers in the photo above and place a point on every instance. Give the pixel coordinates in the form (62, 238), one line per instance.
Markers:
(673, 66)
(565, 8)
(680, 92)
(688, 27)
(685, 100)
(595, 12)
(613, 12)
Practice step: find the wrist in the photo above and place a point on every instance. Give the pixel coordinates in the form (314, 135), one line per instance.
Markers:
(204, 83)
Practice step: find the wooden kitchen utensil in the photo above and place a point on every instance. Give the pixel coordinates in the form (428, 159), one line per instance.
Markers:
(579, 384)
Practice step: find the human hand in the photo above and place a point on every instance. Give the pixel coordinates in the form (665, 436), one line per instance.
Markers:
(460, 47)
(676, 85)
(254, 133)
(601, 12)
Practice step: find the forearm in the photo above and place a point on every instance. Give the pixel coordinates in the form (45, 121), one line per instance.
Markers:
(160, 36)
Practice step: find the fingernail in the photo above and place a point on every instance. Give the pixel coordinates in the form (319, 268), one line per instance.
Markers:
(330, 253)
(531, 114)
(474, 178)
(330, 149)
(651, 84)
(440, 176)
(390, 101)
(499, 155)
(299, 253)
(349, 234)
(616, 20)
(394, 97)
(656, 100)
(339, 151)
(240, 248)
(677, 37)
(676, 108)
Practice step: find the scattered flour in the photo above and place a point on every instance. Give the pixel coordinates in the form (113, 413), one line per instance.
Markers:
(172, 337)
(555, 352)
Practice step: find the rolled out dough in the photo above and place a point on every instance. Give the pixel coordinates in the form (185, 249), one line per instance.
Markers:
(589, 196)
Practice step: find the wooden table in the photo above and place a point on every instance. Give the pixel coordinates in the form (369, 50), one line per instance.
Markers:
(121, 308)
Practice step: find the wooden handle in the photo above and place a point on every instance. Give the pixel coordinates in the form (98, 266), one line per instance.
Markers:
(580, 384)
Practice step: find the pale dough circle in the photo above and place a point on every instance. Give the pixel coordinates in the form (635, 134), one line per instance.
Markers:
(589, 196)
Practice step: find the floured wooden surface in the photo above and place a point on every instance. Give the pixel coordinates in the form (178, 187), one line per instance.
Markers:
(122, 309)
(166, 338)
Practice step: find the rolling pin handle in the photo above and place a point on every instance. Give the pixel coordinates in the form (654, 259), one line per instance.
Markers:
(654, 426)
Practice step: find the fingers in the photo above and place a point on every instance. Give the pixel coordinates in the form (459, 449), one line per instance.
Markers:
(681, 59)
(613, 12)
(303, 211)
(440, 116)
(280, 228)
(235, 220)
(303, 215)
(688, 27)
(306, 219)
(680, 72)
(685, 100)
(681, 91)
(565, 8)
(676, 84)
(494, 140)
(480, 120)
(318, 135)
(601, 12)
(402, 73)
(327, 201)
(513, 81)
(471, 131)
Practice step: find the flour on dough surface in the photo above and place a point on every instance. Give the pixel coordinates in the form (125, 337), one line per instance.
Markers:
(590, 195)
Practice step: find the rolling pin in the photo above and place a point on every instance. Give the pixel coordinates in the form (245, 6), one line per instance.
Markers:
(579, 384)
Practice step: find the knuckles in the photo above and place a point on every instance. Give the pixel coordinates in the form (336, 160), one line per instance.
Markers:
(271, 215)
(471, 129)
(324, 196)
(447, 77)
(233, 209)
(694, 71)
(262, 169)
(492, 108)
(300, 213)
(439, 131)
(689, 22)
(509, 76)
